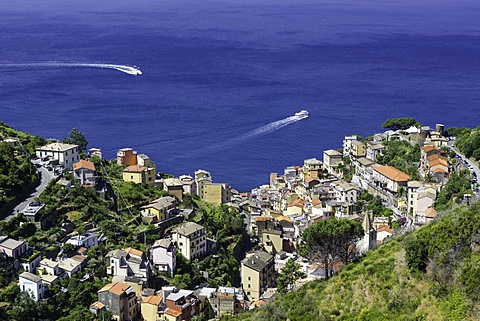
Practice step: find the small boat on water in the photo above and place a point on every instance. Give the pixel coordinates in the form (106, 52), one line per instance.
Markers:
(302, 113)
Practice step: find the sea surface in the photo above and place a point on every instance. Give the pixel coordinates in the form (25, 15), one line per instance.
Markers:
(221, 80)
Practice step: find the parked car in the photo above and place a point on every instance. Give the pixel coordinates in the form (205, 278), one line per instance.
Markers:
(35, 203)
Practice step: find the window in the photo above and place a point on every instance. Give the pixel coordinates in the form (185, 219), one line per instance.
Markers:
(131, 176)
(66, 161)
(249, 286)
(249, 278)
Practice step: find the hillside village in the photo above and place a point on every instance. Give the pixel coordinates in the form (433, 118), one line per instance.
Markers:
(138, 244)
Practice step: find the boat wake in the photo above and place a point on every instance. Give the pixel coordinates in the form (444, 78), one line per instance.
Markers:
(263, 130)
(276, 125)
(123, 68)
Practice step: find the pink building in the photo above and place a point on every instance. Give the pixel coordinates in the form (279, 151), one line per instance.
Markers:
(164, 255)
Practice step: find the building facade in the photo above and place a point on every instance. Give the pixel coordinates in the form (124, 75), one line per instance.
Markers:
(191, 240)
(65, 154)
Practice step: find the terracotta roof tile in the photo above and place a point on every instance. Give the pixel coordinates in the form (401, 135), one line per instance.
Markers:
(384, 228)
(83, 164)
(428, 148)
(392, 173)
(262, 219)
(135, 168)
(173, 313)
(153, 299)
(117, 288)
(284, 218)
(134, 251)
(430, 212)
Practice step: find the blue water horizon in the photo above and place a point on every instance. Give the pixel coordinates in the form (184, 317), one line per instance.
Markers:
(215, 72)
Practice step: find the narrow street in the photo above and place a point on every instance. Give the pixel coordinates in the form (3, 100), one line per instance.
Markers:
(45, 178)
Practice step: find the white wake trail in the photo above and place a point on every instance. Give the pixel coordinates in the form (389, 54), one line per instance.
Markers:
(123, 68)
(263, 130)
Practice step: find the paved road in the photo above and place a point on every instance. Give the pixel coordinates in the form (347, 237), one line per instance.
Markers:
(476, 170)
(45, 178)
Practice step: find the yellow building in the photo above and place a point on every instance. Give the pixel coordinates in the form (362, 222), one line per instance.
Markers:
(358, 149)
(173, 186)
(217, 193)
(272, 241)
(159, 209)
(139, 175)
(257, 272)
(150, 306)
(311, 168)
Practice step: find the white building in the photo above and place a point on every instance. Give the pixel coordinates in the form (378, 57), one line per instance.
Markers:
(87, 240)
(84, 171)
(202, 178)
(49, 267)
(164, 255)
(32, 284)
(128, 262)
(389, 178)
(347, 144)
(191, 240)
(65, 154)
(331, 159)
(70, 266)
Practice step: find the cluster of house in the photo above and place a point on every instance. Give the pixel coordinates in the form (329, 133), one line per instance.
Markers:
(303, 195)
(169, 303)
(279, 213)
(41, 273)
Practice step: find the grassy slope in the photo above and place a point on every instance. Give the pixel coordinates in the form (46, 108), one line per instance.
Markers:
(381, 287)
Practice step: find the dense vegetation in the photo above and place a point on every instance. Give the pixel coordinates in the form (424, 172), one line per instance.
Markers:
(400, 123)
(452, 193)
(401, 155)
(16, 170)
(468, 141)
(437, 277)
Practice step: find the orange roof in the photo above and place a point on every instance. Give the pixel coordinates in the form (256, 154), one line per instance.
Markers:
(316, 202)
(310, 179)
(153, 299)
(392, 173)
(295, 204)
(436, 156)
(430, 212)
(284, 218)
(97, 304)
(258, 303)
(173, 313)
(117, 288)
(438, 161)
(134, 251)
(83, 164)
(262, 219)
(135, 168)
(428, 148)
(385, 228)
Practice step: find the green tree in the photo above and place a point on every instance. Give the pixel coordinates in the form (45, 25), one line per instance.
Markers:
(453, 191)
(329, 240)
(26, 309)
(76, 137)
(400, 123)
(290, 274)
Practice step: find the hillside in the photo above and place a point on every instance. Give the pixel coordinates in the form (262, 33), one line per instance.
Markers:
(430, 274)
(16, 170)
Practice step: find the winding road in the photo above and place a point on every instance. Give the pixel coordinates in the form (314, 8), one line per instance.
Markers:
(45, 178)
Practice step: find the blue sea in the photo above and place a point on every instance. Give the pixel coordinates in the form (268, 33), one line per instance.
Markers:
(221, 80)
